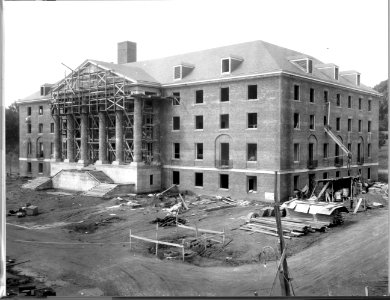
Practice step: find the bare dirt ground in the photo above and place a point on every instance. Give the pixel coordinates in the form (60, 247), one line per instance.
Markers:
(93, 257)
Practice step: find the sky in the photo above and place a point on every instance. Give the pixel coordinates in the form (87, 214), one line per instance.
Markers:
(41, 35)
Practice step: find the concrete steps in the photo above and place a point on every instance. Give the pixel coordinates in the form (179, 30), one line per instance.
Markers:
(37, 183)
(100, 190)
(100, 176)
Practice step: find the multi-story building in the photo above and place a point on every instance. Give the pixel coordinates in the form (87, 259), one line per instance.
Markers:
(218, 121)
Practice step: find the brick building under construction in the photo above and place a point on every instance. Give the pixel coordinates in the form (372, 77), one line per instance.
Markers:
(219, 121)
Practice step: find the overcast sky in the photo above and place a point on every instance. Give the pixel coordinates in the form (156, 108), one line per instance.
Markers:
(39, 36)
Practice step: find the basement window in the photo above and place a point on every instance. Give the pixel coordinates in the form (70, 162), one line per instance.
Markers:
(225, 94)
(40, 168)
(176, 177)
(311, 96)
(199, 179)
(296, 182)
(252, 120)
(251, 184)
(338, 100)
(29, 111)
(41, 110)
(199, 122)
(29, 168)
(296, 92)
(312, 122)
(224, 121)
(199, 97)
(252, 152)
(199, 150)
(176, 150)
(51, 127)
(176, 98)
(176, 123)
(252, 92)
(224, 181)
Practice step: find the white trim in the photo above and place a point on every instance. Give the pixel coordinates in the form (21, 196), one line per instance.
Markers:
(279, 72)
(34, 159)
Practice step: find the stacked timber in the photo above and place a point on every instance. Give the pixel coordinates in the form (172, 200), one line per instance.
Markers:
(291, 227)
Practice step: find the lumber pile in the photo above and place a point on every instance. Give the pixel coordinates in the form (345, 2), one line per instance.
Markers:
(292, 227)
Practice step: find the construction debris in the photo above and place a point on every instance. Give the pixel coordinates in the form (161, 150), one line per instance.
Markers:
(168, 221)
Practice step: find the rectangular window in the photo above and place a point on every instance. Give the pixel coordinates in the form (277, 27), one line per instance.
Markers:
(225, 94)
(199, 179)
(296, 121)
(349, 125)
(51, 127)
(252, 120)
(252, 92)
(40, 168)
(40, 127)
(325, 120)
(325, 175)
(252, 184)
(369, 105)
(51, 148)
(368, 150)
(349, 101)
(225, 65)
(224, 121)
(296, 92)
(368, 173)
(369, 126)
(29, 169)
(176, 123)
(360, 126)
(176, 98)
(176, 150)
(29, 128)
(29, 111)
(41, 153)
(326, 150)
(338, 100)
(252, 152)
(337, 174)
(150, 179)
(41, 110)
(176, 177)
(199, 96)
(296, 153)
(224, 181)
(199, 150)
(198, 122)
(337, 124)
(349, 147)
(312, 122)
(311, 95)
(326, 99)
(296, 182)
(29, 148)
(360, 103)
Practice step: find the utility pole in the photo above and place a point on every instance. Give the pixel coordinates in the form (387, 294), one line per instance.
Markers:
(283, 275)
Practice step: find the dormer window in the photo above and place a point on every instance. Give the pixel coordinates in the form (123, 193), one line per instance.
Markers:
(305, 64)
(181, 71)
(358, 79)
(229, 64)
(336, 73)
(351, 76)
(330, 70)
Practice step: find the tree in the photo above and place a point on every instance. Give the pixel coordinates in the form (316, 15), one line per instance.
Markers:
(12, 129)
(383, 105)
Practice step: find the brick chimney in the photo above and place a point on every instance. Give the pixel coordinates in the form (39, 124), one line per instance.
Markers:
(127, 52)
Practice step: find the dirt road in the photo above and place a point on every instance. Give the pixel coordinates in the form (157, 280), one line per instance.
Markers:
(340, 262)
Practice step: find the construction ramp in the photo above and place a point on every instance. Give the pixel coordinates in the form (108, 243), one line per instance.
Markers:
(39, 183)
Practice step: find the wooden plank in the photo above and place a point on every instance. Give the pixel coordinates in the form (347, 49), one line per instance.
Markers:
(182, 201)
(265, 227)
(263, 231)
(154, 241)
(199, 229)
(357, 206)
(323, 190)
